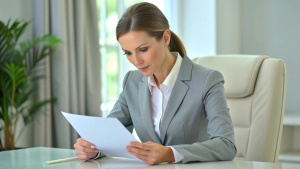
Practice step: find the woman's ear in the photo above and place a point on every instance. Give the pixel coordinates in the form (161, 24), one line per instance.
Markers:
(167, 37)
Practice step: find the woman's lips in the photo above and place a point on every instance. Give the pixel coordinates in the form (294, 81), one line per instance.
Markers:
(144, 68)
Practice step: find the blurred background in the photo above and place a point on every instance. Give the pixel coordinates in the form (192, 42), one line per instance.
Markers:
(258, 27)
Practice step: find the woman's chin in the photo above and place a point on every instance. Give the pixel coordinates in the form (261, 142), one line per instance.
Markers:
(147, 74)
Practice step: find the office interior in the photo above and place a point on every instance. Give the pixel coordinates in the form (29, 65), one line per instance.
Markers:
(248, 27)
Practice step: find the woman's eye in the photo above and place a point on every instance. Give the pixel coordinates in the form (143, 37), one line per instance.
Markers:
(143, 49)
(127, 53)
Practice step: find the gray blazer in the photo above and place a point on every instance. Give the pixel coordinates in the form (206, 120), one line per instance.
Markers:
(196, 121)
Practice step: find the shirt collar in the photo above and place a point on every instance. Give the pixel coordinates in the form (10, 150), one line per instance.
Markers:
(171, 78)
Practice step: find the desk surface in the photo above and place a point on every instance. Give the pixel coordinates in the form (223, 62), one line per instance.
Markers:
(33, 158)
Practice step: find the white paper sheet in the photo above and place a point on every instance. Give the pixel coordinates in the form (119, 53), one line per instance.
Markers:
(107, 134)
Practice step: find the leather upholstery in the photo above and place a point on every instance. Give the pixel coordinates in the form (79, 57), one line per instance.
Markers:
(255, 89)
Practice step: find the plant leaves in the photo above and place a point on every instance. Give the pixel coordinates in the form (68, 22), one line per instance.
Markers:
(35, 108)
(9, 36)
(20, 68)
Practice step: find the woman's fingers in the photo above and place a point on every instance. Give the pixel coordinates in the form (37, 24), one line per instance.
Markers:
(144, 146)
(85, 156)
(151, 153)
(84, 143)
(138, 151)
(84, 149)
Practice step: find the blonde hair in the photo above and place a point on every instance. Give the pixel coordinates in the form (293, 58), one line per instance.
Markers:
(147, 17)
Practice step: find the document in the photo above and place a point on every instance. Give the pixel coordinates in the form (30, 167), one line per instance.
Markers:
(107, 134)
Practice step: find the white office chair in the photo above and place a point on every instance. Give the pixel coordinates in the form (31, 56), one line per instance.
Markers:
(255, 89)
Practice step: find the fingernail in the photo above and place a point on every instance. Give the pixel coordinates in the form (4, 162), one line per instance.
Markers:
(93, 147)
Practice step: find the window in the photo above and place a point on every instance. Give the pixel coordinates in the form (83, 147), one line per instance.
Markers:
(114, 64)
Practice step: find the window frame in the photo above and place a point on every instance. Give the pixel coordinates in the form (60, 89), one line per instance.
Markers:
(123, 65)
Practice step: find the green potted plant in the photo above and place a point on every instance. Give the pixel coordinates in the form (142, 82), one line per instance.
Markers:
(20, 65)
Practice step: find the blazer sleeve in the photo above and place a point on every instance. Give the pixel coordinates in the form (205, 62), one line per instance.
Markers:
(220, 145)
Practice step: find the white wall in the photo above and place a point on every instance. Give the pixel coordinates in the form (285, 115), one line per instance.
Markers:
(21, 10)
(228, 26)
(196, 26)
(265, 27)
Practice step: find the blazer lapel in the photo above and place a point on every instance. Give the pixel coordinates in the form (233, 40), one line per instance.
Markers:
(178, 93)
(146, 110)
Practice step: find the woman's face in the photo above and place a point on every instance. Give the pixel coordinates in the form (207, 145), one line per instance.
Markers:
(144, 52)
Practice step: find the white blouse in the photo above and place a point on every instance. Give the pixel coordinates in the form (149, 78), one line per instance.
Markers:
(160, 97)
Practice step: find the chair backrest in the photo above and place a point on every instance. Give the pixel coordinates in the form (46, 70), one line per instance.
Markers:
(255, 89)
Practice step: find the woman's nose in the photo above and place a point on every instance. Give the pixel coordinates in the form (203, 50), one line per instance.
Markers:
(137, 60)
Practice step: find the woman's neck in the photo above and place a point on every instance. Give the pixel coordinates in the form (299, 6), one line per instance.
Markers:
(166, 68)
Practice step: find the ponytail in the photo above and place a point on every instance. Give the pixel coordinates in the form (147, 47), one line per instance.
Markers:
(176, 44)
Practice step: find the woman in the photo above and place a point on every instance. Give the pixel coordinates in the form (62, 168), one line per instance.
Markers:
(178, 108)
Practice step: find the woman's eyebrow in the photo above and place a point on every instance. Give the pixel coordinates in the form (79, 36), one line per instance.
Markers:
(141, 45)
(137, 47)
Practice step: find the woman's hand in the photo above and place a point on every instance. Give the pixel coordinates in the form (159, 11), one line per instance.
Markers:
(151, 153)
(84, 149)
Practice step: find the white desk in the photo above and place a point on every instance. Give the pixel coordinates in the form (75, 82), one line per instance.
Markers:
(33, 158)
